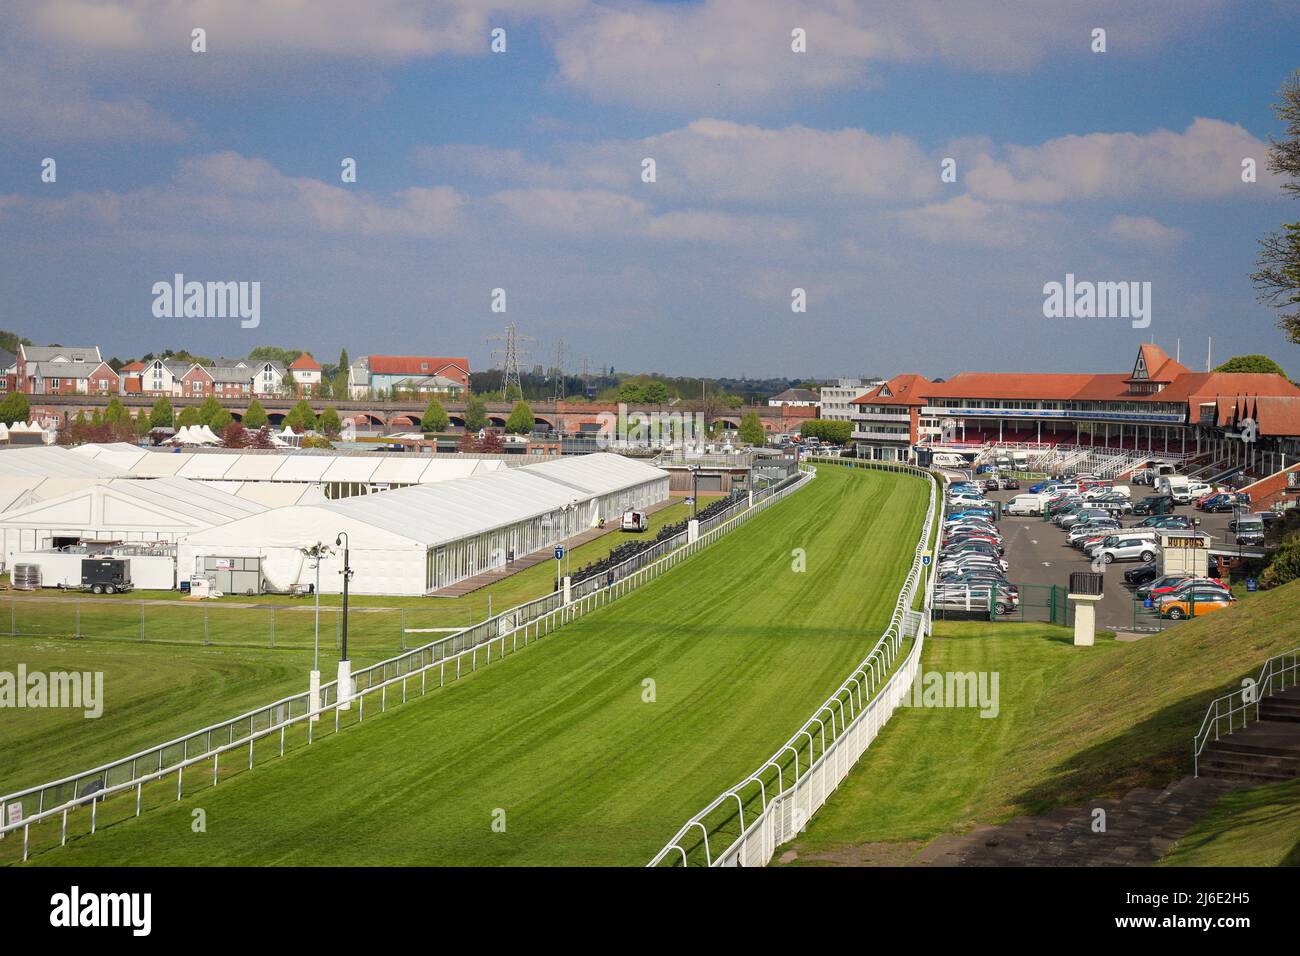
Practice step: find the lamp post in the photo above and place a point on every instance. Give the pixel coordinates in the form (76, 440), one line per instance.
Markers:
(344, 688)
(695, 488)
(316, 554)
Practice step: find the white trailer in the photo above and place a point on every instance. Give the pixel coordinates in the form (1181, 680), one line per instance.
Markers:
(1184, 553)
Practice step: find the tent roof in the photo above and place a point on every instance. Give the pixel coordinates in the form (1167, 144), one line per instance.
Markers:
(125, 503)
(51, 461)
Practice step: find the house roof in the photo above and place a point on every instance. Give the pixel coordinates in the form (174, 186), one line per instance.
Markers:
(414, 364)
(305, 363)
(136, 366)
(1277, 415)
(60, 353)
(795, 395)
(905, 389)
(66, 369)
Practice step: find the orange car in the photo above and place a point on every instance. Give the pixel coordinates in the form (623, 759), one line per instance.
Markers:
(1198, 603)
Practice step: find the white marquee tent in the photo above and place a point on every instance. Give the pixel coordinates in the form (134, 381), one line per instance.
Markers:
(425, 537)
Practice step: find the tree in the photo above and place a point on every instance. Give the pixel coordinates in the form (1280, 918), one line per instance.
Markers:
(1252, 363)
(209, 408)
(751, 429)
(14, 408)
(234, 435)
(142, 424)
(827, 430)
(514, 393)
(9, 341)
(255, 416)
(116, 414)
(435, 417)
(330, 423)
(1277, 279)
(631, 393)
(521, 420)
(490, 444)
(466, 442)
(162, 415)
(262, 437)
(316, 441)
(301, 418)
(475, 413)
(188, 418)
(220, 419)
(655, 393)
(1285, 565)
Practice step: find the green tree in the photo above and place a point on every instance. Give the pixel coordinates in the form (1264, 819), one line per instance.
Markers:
(9, 341)
(1251, 363)
(301, 417)
(475, 413)
(514, 393)
(255, 416)
(116, 413)
(521, 420)
(435, 417)
(751, 429)
(162, 415)
(631, 393)
(208, 409)
(827, 430)
(188, 418)
(142, 424)
(330, 423)
(219, 420)
(656, 393)
(14, 408)
(1285, 565)
(1277, 280)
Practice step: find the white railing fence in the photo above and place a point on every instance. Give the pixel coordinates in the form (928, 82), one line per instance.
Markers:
(447, 659)
(745, 824)
(1232, 711)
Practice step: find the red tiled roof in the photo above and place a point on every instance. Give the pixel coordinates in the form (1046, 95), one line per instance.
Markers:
(410, 364)
(906, 389)
(1278, 415)
(305, 362)
(133, 367)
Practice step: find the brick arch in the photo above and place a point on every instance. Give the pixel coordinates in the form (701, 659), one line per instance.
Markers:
(456, 421)
(406, 420)
(498, 421)
(543, 420)
(368, 418)
(728, 421)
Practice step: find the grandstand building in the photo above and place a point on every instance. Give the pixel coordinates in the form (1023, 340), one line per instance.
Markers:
(1159, 406)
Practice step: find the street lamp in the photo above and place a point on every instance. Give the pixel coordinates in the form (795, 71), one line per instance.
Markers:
(345, 666)
(695, 488)
(316, 554)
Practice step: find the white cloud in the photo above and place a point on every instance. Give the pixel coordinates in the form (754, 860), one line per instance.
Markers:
(1144, 230)
(1203, 161)
(227, 191)
(968, 221)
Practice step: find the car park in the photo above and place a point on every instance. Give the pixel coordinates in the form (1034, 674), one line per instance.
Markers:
(1142, 574)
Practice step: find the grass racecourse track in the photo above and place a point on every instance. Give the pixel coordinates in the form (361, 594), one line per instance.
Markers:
(1073, 723)
(171, 684)
(558, 743)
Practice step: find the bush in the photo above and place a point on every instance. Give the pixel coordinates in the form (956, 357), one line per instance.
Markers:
(1285, 565)
(330, 423)
(837, 433)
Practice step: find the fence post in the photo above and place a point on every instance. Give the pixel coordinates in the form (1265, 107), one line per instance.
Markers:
(273, 626)
(142, 621)
(77, 613)
(205, 624)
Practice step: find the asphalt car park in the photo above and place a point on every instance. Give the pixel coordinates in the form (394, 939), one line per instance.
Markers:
(1038, 554)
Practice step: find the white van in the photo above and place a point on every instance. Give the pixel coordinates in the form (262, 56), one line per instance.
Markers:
(1026, 505)
(943, 460)
(1176, 486)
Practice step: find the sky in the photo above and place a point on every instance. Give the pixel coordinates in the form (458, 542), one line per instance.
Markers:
(523, 170)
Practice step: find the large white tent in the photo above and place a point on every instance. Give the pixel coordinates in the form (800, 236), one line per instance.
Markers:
(425, 537)
(121, 509)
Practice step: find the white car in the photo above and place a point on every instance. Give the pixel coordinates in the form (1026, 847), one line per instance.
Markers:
(1128, 548)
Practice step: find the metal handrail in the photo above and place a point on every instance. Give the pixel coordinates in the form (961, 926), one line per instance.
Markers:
(881, 655)
(1228, 706)
(542, 624)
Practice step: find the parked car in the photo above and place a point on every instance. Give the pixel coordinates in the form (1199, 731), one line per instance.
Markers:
(1166, 522)
(1127, 548)
(1249, 531)
(1142, 574)
(1201, 601)
(1223, 502)
(1154, 505)
(975, 597)
(1181, 588)
(1069, 519)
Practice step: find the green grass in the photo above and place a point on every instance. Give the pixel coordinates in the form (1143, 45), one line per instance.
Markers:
(172, 683)
(1073, 723)
(739, 647)
(1255, 827)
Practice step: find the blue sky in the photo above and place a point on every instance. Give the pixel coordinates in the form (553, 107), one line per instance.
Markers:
(521, 171)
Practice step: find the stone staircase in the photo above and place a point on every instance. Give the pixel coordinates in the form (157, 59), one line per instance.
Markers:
(1264, 752)
(1140, 829)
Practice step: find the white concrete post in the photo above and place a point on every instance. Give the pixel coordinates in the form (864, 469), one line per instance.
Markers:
(567, 597)
(692, 530)
(345, 685)
(313, 689)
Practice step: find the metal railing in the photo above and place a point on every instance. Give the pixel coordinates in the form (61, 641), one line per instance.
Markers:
(452, 656)
(1234, 707)
(844, 726)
